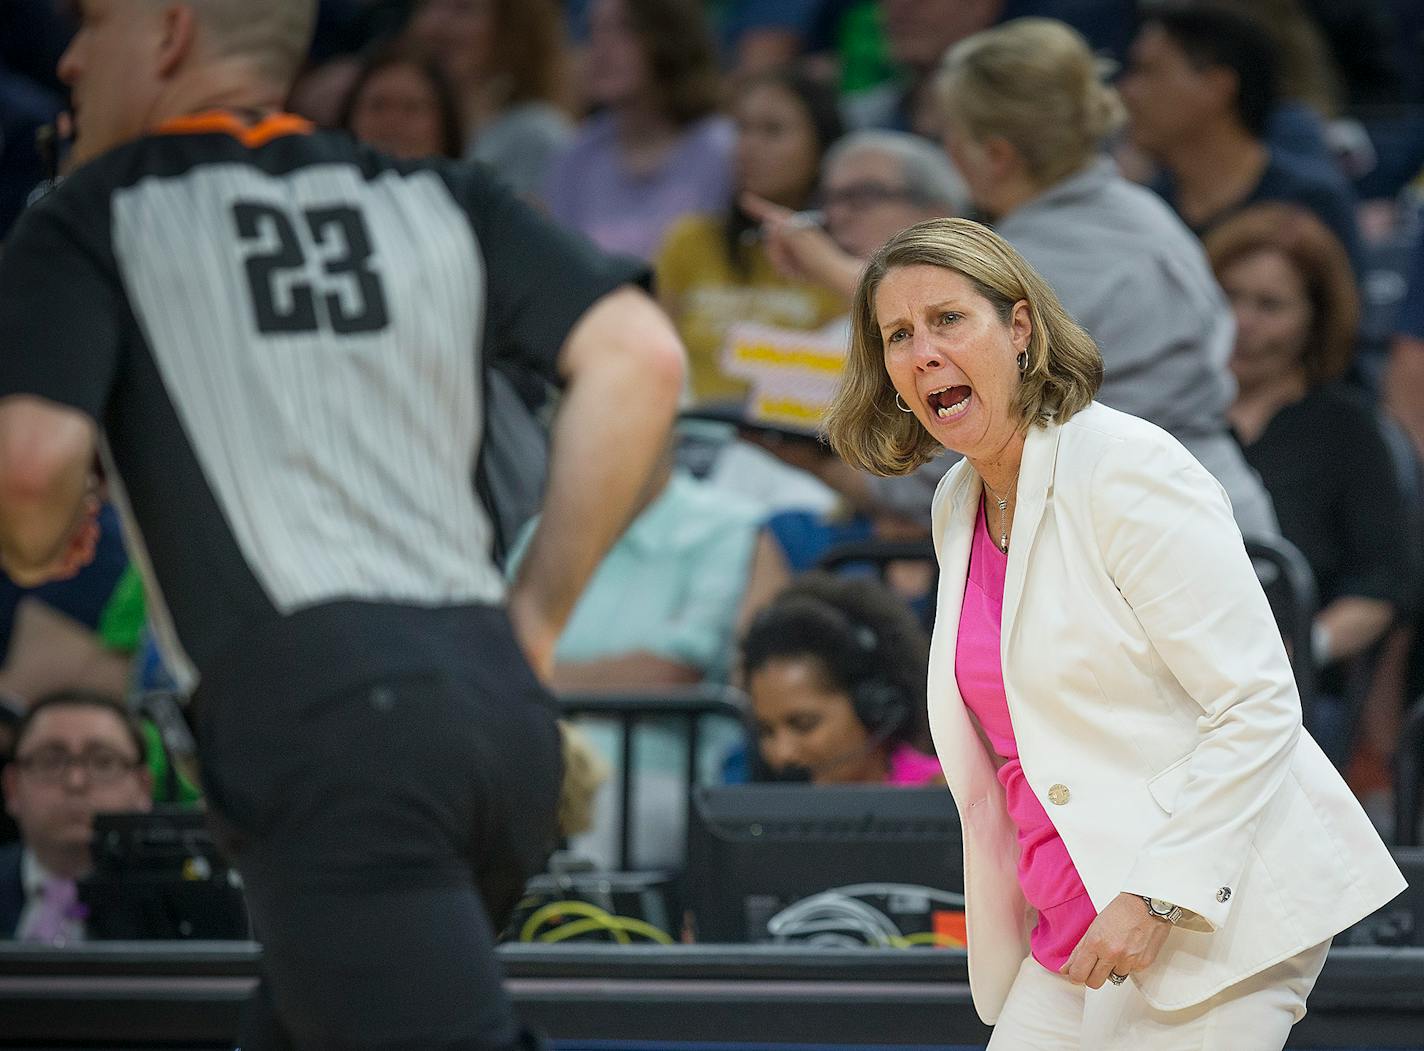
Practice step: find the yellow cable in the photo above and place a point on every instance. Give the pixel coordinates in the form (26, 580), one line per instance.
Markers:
(647, 930)
(558, 908)
(615, 925)
(573, 930)
(596, 919)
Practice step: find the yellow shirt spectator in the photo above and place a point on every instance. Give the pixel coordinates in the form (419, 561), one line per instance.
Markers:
(706, 293)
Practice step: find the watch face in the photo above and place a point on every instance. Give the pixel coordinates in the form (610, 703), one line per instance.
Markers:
(1159, 906)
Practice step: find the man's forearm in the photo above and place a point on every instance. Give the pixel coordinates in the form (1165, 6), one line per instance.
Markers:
(1352, 624)
(612, 425)
(626, 671)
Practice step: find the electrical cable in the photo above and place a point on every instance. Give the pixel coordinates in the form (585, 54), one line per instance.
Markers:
(594, 918)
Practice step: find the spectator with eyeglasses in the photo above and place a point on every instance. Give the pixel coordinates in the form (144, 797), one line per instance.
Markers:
(873, 185)
(76, 755)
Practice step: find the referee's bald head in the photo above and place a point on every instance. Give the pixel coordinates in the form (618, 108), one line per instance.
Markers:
(134, 64)
(274, 35)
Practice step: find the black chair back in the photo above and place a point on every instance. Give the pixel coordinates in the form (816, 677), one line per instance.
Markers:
(691, 706)
(1289, 584)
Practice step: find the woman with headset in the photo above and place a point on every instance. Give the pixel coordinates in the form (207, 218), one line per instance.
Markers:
(835, 668)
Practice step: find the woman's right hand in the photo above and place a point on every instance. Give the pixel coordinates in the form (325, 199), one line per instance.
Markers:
(802, 250)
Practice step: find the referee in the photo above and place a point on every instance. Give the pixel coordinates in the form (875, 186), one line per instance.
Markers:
(275, 341)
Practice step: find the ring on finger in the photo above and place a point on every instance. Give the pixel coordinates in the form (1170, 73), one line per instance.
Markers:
(1116, 979)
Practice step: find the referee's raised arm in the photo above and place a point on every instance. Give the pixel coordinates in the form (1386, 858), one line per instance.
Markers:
(624, 365)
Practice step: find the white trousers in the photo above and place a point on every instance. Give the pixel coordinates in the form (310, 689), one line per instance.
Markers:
(1047, 1012)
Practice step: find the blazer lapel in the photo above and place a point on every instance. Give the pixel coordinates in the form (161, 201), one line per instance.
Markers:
(1035, 487)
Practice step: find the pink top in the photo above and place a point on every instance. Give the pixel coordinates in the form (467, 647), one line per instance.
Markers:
(910, 766)
(1046, 873)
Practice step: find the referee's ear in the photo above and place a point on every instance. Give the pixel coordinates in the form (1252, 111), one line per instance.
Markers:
(178, 39)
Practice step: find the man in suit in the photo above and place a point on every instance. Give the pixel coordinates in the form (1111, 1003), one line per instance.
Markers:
(76, 755)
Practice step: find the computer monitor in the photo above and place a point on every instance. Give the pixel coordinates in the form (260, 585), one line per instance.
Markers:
(832, 865)
(158, 875)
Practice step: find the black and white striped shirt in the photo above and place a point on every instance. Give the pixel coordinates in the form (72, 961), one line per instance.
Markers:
(282, 336)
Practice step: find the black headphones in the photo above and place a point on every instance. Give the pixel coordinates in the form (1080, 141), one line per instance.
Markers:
(878, 701)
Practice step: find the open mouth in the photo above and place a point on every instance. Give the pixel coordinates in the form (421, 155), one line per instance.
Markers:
(948, 402)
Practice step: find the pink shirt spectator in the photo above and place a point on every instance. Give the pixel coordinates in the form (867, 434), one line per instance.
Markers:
(1047, 875)
(909, 766)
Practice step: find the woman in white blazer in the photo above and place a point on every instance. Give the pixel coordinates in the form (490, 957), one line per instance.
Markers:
(1156, 854)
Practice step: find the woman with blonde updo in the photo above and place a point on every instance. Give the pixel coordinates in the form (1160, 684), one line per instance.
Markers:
(1025, 116)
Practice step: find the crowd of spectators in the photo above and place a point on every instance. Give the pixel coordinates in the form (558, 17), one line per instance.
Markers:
(1228, 195)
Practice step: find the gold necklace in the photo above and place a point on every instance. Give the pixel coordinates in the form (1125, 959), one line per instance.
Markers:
(1003, 502)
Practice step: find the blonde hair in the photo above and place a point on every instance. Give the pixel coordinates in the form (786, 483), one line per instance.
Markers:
(274, 35)
(1034, 83)
(1063, 372)
(584, 773)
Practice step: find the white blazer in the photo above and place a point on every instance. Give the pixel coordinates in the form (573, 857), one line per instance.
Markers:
(1156, 718)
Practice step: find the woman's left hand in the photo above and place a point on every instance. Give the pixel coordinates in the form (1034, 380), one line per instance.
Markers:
(1124, 939)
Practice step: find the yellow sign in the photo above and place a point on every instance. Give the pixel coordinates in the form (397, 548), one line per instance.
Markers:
(793, 374)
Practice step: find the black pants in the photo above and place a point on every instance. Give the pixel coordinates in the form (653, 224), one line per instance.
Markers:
(384, 833)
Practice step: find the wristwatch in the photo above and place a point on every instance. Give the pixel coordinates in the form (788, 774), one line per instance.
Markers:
(1163, 910)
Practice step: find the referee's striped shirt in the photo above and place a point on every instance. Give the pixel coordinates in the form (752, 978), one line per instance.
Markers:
(283, 336)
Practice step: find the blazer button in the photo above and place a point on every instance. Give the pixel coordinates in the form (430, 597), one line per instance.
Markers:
(1224, 894)
(1058, 795)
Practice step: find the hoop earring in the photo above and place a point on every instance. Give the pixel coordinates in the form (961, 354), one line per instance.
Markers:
(1022, 360)
(900, 403)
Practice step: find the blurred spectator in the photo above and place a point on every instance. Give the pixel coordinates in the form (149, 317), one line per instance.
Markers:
(1305, 66)
(917, 33)
(321, 90)
(1025, 117)
(76, 755)
(713, 270)
(656, 150)
(1307, 117)
(877, 183)
(762, 35)
(1200, 87)
(835, 668)
(665, 604)
(1316, 443)
(404, 106)
(506, 61)
(845, 43)
(874, 184)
